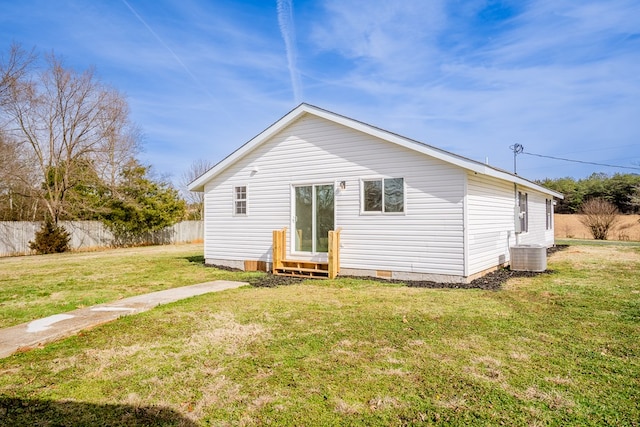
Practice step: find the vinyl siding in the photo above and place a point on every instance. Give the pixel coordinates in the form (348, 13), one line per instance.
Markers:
(491, 221)
(491, 227)
(537, 233)
(426, 238)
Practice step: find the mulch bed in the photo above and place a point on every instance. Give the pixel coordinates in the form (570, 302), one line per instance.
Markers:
(491, 281)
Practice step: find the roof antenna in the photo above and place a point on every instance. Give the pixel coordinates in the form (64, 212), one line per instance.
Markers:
(517, 149)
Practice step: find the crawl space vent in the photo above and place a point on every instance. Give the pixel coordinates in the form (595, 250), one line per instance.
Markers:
(528, 258)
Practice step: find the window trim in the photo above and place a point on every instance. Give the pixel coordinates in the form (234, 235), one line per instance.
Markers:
(237, 200)
(382, 211)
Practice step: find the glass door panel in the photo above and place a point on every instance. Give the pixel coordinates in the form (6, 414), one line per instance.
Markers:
(324, 216)
(304, 219)
(314, 217)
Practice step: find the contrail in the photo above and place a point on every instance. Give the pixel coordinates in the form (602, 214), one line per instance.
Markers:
(176, 57)
(285, 20)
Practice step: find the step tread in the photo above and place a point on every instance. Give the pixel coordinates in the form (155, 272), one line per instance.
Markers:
(310, 270)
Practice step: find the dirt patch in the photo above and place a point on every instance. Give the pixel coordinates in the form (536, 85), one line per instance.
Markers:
(271, 281)
(267, 281)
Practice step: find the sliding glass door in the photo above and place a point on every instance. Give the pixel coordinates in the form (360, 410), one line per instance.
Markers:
(313, 217)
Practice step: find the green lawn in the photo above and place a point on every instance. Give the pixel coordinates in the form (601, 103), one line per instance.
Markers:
(557, 349)
(38, 286)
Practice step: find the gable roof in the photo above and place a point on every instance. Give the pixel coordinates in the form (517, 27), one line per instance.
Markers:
(302, 109)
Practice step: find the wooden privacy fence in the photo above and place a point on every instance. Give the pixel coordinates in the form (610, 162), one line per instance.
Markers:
(16, 235)
(290, 267)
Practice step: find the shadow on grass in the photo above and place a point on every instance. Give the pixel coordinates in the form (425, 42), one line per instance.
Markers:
(30, 412)
(196, 259)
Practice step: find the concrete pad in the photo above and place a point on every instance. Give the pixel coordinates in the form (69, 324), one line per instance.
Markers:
(39, 332)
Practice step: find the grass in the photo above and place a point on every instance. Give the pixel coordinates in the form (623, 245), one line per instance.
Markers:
(556, 349)
(38, 286)
(567, 241)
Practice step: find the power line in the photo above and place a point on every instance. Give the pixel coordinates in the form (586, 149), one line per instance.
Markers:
(580, 161)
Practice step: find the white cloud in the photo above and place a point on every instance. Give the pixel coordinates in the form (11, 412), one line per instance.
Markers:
(555, 76)
(386, 39)
(288, 30)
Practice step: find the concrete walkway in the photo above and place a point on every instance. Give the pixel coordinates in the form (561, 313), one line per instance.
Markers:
(39, 332)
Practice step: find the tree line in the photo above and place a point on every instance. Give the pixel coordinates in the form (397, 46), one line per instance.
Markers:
(620, 190)
(69, 150)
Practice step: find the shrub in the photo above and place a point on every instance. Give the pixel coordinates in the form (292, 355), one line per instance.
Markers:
(51, 238)
(599, 216)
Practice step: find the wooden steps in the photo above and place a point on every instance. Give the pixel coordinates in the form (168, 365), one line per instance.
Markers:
(310, 269)
(303, 269)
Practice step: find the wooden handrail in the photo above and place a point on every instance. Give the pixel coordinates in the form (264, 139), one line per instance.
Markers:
(334, 253)
(279, 248)
(279, 252)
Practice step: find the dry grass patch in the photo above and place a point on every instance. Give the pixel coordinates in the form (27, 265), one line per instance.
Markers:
(383, 403)
(559, 380)
(455, 403)
(568, 226)
(516, 355)
(222, 331)
(348, 408)
(590, 256)
(486, 368)
(554, 399)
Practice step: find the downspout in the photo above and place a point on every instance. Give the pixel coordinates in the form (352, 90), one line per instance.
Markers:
(465, 228)
(516, 213)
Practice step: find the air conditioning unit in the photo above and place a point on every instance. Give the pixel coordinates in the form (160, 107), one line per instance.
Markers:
(529, 258)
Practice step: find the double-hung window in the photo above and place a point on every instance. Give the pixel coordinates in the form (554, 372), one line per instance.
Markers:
(523, 204)
(240, 200)
(383, 195)
(549, 206)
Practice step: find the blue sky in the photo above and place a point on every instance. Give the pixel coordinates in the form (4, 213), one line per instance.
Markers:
(560, 77)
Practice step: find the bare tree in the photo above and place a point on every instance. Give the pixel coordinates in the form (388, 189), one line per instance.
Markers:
(600, 216)
(121, 141)
(71, 128)
(15, 188)
(16, 177)
(195, 199)
(13, 68)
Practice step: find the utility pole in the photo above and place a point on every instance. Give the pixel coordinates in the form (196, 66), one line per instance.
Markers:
(517, 149)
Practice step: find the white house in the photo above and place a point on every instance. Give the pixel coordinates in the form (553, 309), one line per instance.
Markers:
(404, 209)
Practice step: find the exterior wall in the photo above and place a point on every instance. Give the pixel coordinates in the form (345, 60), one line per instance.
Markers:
(491, 221)
(537, 233)
(426, 239)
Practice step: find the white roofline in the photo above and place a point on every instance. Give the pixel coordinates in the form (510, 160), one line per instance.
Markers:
(463, 162)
